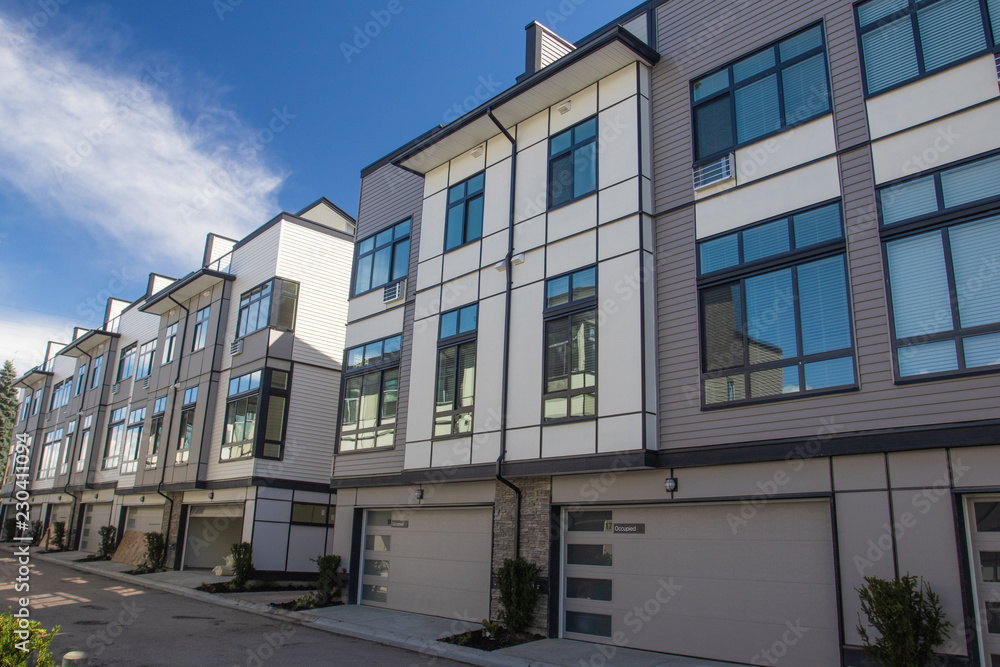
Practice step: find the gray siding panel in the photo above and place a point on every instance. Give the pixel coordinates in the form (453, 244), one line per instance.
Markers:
(388, 195)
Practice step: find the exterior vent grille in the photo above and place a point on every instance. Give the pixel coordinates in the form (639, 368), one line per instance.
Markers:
(714, 172)
(115, 387)
(998, 66)
(236, 347)
(394, 292)
(145, 383)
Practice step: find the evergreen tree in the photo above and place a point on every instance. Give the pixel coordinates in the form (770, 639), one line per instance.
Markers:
(8, 409)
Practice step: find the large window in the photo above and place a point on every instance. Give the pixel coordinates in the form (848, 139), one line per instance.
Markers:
(573, 163)
(241, 416)
(777, 87)
(155, 432)
(133, 432)
(456, 372)
(60, 394)
(465, 212)
(902, 40)
(36, 403)
(311, 514)
(200, 329)
(95, 373)
(50, 454)
(81, 458)
(126, 362)
(81, 378)
(944, 284)
(115, 440)
(775, 317)
(571, 346)
(169, 343)
(186, 431)
(371, 391)
(382, 258)
(144, 366)
(269, 305)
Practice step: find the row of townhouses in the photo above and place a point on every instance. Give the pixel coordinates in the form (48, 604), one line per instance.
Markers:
(701, 316)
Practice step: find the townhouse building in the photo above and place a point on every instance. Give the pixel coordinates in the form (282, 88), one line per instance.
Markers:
(200, 410)
(701, 316)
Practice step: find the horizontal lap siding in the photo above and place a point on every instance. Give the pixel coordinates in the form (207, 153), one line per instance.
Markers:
(696, 38)
(388, 195)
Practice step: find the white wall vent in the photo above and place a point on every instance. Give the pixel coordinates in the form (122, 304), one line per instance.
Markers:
(236, 347)
(115, 387)
(713, 172)
(145, 382)
(394, 292)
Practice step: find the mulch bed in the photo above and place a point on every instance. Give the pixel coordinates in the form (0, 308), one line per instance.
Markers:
(224, 587)
(478, 639)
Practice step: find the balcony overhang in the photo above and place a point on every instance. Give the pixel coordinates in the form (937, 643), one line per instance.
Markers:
(29, 379)
(82, 346)
(183, 290)
(545, 88)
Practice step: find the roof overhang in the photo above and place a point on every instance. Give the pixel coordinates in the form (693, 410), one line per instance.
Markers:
(31, 377)
(547, 87)
(87, 342)
(183, 290)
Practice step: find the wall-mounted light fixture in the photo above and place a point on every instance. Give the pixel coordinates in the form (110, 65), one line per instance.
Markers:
(670, 484)
(142, 499)
(565, 107)
(211, 495)
(419, 494)
(479, 150)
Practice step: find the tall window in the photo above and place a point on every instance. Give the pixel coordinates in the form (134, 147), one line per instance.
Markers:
(272, 304)
(95, 373)
(145, 364)
(200, 328)
(155, 432)
(133, 433)
(371, 390)
(902, 40)
(81, 458)
(70, 430)
(768, 332)
(465, 212)
(169, 343)
(771, 89)
(50, 454)
(573, 163)
(571, 346)
(26, 405)
(382, 258)
(241, 416)
(81, 378)
(116, 438)
(36, 404)
(186, 431)
(60, 394)
(944, 283)
(456, 374)
(275, 413)
(126, 362)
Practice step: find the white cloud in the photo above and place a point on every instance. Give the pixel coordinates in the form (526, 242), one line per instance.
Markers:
(23, 338)
(108, 151)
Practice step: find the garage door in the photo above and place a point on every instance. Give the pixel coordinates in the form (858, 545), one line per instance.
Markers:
(984, 533)
(144, 519)
(428, 561)
(212, 530)
(94, 517)
(701, 581)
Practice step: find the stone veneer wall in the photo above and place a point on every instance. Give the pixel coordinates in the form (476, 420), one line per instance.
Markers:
(174, 514)
(536, 502)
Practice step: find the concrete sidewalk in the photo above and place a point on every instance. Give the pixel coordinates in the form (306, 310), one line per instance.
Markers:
(416, 632)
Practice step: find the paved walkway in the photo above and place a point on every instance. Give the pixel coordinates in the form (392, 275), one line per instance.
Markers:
(394, 628)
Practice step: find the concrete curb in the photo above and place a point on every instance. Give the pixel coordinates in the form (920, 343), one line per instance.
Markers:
(424, 646)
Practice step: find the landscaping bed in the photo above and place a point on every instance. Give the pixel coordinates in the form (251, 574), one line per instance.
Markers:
(480, 639)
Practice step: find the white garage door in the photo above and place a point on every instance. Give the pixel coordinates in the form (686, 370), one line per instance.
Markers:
(95, 516)
(428, 561)
(144, 519)
(700, 581)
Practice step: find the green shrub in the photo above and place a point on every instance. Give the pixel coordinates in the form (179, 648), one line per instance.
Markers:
(518, 595)
(36, 532)
(33, 637)
(9, 526)
(242, 564)
(156, 549)
(107, 548)
(329, 586)
(58, 536)
(909, 620)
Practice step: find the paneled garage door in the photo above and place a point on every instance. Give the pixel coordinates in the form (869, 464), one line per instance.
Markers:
(705, 581)
(145, 519)
(95, 516)
(428, 561)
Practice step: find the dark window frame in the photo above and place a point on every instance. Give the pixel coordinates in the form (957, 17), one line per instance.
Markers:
(144, 360)
(730, 92)
(115, 441)
(394, 363)
(572, 150)
(81, 379)
(185, 440)
(913, 7)
(232, 402)
(200, 337)
(457, 341)
(126, 362)
(95, 372)
(363, 251)
(464, 201)
(330, 515)
(169, 343)
(133, 438)
(566, 312)
(738, 275)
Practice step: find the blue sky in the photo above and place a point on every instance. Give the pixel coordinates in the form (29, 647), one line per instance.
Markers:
(129, 130)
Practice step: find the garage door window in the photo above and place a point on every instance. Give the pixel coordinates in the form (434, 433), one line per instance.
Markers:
(988, 517)
(374, 593)
(588, 624)
(589, 554)
(599, 522)
(588, 589)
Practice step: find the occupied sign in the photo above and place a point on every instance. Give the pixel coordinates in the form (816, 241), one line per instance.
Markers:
(633, 528)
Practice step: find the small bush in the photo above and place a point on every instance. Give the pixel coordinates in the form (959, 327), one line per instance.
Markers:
(58, 536)
(242, 565)
(518, 595)
(156, 549)
(907, 615)
(9, 526)
(107, 548)
(36, 532)
(34, 637)
(329, 586)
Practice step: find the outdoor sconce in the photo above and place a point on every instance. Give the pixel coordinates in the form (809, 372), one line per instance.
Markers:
(565, 107)
(478, 150)
(670, 484)
(142, 499)
(211, 495)
(419, 494)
